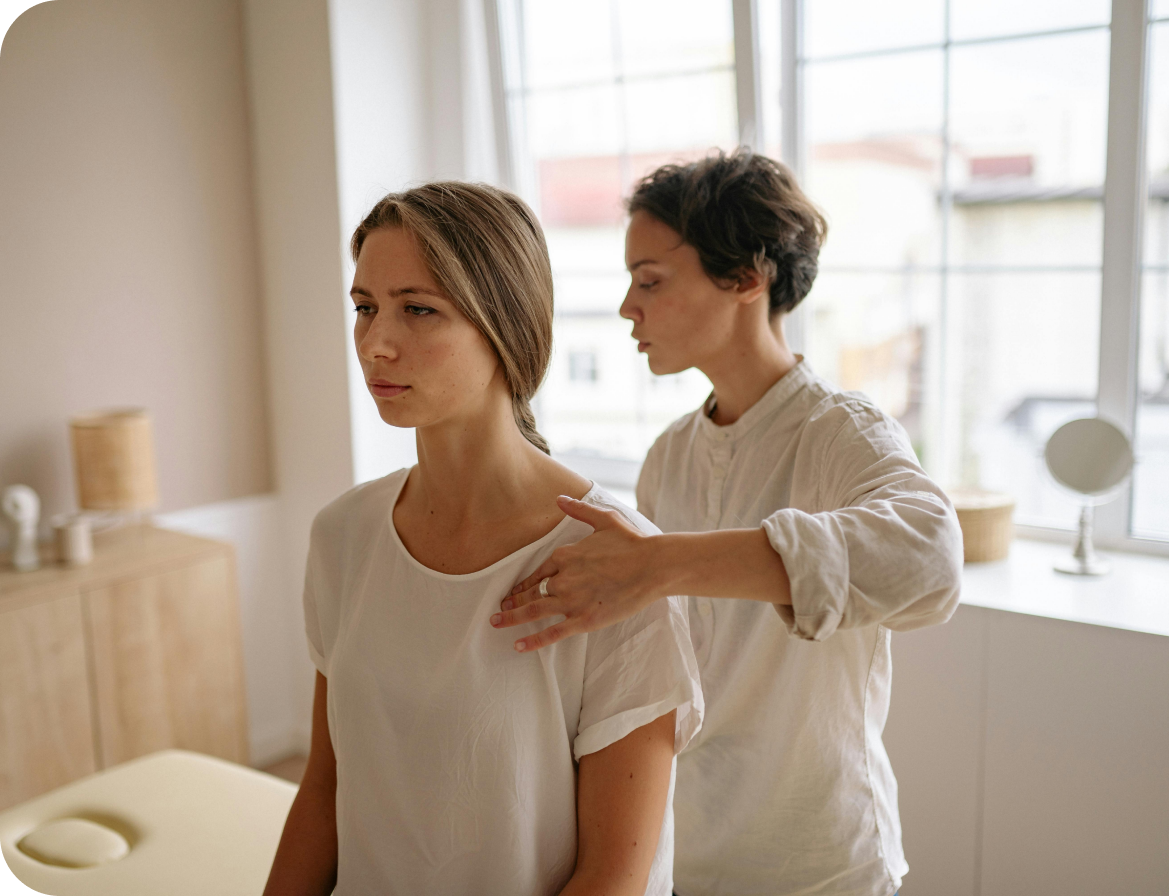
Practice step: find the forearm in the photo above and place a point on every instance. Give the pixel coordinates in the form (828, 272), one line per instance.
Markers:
(306, 859)
(736, 563)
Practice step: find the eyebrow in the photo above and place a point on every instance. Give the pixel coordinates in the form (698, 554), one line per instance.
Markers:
(394, 293)
(633, 267)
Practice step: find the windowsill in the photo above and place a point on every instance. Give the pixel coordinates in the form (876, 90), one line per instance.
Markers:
(1134, 596)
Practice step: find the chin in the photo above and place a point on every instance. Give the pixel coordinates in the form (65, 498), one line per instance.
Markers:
(663, 366)
(400, 417)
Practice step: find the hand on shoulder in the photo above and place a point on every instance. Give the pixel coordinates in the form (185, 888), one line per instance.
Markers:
(600, 580)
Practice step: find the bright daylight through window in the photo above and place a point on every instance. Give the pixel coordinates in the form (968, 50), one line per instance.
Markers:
(958, 149)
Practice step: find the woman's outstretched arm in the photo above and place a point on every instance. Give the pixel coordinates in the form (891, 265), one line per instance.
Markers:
(620, 804)
(306, 859)
(620, 570)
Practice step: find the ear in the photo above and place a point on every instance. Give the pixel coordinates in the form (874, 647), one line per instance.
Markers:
(750, 286)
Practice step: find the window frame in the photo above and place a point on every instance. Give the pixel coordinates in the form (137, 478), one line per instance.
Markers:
(1124, 200)
(1124, 191)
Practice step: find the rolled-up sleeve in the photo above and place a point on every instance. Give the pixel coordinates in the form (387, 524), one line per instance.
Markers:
(886, 549)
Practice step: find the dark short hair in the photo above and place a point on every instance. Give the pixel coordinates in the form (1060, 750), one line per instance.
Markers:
(742, 212)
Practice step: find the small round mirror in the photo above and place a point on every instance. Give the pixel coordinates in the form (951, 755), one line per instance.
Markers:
(1093, 458)
(1089, 456)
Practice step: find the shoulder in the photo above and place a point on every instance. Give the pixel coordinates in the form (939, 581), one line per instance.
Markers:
(358, 508)
(598, 497)
(838, 419)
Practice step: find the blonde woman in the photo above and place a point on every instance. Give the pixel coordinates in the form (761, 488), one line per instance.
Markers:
(443, 760)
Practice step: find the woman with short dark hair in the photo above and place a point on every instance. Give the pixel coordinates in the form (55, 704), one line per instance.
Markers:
(799, 519)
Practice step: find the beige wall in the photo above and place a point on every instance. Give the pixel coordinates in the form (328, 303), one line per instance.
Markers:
(128, 256)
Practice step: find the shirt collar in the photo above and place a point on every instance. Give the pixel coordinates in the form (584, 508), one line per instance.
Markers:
(772, 400)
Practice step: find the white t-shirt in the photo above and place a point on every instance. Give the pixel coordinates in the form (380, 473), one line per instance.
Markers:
(455, 754)
(788, 789)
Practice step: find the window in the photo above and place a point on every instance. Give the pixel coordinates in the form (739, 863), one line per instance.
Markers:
(960, 150)
(582, 366)
(600, 94)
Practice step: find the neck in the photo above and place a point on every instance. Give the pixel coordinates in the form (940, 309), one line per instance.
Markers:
(474, 467)
(751, 362)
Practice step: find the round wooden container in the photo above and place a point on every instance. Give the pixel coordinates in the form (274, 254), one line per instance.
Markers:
(113, 456)
(985, 518)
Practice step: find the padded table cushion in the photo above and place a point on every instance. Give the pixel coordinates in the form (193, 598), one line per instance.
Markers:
(195, 825)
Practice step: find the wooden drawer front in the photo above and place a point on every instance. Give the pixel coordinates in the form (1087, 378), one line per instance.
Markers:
(168, 663)
(46, 721)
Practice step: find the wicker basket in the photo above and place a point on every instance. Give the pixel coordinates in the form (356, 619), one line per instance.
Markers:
(985, 518)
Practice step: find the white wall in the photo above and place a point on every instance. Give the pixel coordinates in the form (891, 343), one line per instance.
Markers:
(382, 137)
(412, 104)
(290, 86)
(128, 271)
(1031, 755)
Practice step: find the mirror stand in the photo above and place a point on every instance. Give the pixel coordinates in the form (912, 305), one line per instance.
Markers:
(1084, 560)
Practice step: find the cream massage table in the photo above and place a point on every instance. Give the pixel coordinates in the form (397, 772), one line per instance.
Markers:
(170, 824)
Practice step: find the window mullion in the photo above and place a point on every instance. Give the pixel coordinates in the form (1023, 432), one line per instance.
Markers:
(1124, 200)
(505, 161)
(791, 100)
(790, 85)
(748, 89)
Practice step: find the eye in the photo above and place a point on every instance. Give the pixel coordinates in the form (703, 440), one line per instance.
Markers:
(419, 310)
(648, 284)
(363, 309)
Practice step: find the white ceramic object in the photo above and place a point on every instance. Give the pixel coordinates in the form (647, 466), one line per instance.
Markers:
(1092, 458)
(74, 539)
(22, 508)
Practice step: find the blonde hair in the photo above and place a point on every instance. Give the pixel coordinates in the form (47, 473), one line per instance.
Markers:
(487, 253)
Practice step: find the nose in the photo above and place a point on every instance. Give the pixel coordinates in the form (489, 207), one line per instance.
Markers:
(630, 309)
(377, 342)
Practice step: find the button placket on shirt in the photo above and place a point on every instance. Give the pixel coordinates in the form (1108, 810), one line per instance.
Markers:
(720, 462)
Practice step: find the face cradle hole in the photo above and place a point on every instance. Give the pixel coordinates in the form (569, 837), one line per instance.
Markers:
(78, 842)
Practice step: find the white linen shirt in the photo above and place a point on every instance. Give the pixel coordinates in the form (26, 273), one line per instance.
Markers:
(455, 754)
(788, 789)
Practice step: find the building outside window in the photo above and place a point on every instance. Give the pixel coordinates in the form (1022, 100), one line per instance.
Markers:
(601, 94)
(582, 366)
(959, 150)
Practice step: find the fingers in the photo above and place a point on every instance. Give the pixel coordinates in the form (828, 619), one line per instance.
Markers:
(587, 513)
(514, 601)
(550, 635)
(547, 568)
(536, 609)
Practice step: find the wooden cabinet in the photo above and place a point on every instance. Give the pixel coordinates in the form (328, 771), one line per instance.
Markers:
(46, 715)
(136, 652)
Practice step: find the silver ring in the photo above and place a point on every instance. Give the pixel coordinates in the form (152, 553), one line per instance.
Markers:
(544, 586)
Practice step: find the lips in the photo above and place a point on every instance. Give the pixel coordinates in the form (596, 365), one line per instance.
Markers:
(385, 389)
